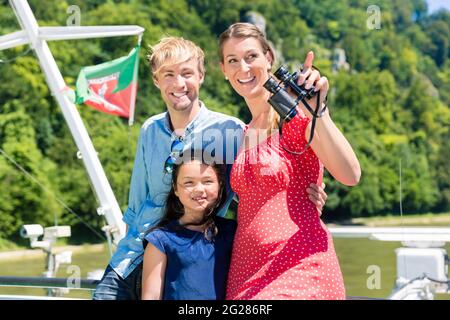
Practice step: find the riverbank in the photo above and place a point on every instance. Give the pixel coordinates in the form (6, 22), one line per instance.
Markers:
(9, 250)
(25, 254)
(420, 220)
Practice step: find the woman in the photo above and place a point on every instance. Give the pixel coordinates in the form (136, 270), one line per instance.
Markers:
(282, 250)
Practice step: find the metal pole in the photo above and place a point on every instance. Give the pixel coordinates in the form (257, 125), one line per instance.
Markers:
(44, 282)
(108, 202)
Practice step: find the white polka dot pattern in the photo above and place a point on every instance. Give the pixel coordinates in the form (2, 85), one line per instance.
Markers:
(282, 250)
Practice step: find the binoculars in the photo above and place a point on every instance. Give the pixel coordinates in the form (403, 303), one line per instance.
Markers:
(281, 100)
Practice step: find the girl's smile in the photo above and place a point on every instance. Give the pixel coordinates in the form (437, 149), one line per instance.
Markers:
(197, 187)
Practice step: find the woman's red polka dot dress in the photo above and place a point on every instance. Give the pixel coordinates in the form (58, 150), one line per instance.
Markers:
(282, 249)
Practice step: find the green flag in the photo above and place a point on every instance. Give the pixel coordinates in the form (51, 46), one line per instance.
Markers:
(111, 86)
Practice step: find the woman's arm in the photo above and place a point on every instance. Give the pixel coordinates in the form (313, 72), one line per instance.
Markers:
(329, 144)
(153, 273)
(335, 152)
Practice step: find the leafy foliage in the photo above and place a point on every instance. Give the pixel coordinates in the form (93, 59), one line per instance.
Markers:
(393, 103)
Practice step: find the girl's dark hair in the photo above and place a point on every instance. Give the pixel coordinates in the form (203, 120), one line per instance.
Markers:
(174, 209)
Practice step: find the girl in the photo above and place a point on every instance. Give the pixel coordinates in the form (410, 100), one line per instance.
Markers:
(187, 254)
(282, 250)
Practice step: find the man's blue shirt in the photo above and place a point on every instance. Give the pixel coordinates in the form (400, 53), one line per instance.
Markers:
(215, 133)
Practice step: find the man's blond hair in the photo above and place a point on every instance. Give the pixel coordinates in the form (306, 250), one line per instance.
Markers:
(173, 50)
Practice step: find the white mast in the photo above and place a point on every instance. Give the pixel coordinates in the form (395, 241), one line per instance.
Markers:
(36, 37)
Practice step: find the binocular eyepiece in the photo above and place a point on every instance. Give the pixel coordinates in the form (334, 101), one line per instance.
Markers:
(281, 100)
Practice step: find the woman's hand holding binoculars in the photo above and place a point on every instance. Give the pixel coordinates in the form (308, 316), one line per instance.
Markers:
(310, 76)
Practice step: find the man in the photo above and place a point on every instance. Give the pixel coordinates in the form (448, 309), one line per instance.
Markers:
(178, 72)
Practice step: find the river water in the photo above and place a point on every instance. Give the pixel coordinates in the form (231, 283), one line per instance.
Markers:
(361, 261)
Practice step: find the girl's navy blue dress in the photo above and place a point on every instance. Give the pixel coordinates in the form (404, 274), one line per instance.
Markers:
(197, 269)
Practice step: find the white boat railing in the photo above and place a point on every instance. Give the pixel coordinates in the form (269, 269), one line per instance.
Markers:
(409, 236)
(48, 283)
(56, 287)
(422, 262)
